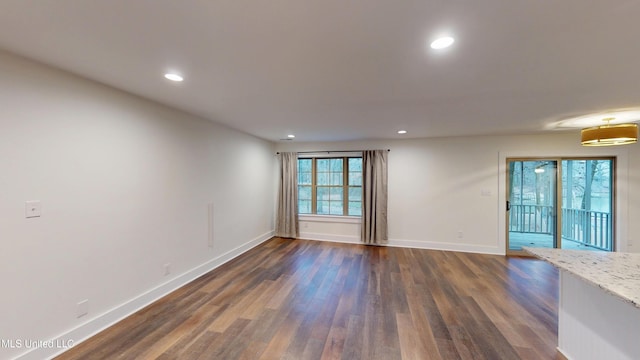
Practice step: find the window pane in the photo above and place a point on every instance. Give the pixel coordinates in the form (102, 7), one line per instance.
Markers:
(304, 192)
(355, 208)
(323, 207)
(355, 164)
(304, 178)
(323, 165)
(322, 193)
(355, 178)
(336, 208)
(304, 165)
(336, 165)
(355, 194)
(336, 178)
(355, 171)
(336, 194)
(323, 179)
(304, 171)
(304, 206)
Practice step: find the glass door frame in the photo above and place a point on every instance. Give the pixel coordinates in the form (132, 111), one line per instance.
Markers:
(557, 205)
(613, 205)
(558, 194)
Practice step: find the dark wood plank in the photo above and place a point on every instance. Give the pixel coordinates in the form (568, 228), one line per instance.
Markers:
(296, 299)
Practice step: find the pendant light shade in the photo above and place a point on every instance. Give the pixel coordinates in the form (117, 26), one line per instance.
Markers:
(608, 135)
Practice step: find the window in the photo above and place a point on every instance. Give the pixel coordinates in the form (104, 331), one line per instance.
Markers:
(330, 186)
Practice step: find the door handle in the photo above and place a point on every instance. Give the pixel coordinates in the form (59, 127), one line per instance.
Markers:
(508, 205)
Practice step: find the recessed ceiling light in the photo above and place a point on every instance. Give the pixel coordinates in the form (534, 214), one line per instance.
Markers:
(402, 131)
(442, 42)
(173, 77)
(291, 136)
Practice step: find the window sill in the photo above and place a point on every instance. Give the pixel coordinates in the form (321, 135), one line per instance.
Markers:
(330, 219)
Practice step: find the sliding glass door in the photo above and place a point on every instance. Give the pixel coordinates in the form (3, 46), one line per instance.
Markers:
(531, 204)
(587, 204)
(581, 188)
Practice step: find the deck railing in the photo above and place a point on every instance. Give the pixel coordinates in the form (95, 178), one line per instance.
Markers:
(532, 219)
(591, 228)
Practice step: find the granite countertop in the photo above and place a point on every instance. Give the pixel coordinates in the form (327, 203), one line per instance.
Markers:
(614, 272)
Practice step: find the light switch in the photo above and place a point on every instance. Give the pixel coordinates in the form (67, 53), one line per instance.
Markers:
(33, 209)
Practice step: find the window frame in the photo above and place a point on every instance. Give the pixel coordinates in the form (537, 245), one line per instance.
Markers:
(345, 186)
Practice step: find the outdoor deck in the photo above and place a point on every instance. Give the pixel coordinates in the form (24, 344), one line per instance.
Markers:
(517, 240)
(531, 225)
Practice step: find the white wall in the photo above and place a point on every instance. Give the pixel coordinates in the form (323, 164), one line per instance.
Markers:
(436, 189)
(125, 185)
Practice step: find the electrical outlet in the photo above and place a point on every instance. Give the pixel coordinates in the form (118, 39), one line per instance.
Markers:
(460, 234)
(167, 269)
(83, 308)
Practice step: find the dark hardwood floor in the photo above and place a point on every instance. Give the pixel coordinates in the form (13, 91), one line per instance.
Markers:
(295, 299)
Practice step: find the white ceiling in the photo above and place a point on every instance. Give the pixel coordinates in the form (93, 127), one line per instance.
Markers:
(329, 70)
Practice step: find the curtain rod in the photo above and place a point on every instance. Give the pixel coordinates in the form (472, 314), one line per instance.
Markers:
(328, 152)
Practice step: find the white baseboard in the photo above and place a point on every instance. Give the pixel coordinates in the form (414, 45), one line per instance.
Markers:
(562, 355)
(433, 245)
(109, 318)
(427, 245)
(331, 238)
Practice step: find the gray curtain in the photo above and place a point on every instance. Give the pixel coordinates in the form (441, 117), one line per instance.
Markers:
(374, 200)
(287, 215)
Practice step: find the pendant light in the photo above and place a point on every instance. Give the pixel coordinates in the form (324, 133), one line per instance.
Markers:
(608, 135)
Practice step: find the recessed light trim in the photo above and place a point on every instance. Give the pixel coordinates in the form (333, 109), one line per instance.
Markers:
(173, 77)
(291, 136)
(443, 42)
(401, 132)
